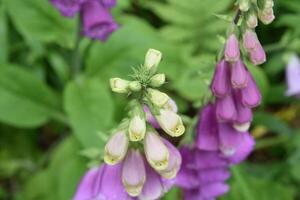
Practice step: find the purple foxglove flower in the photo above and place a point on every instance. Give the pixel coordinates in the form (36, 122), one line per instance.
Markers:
(245, 148)
(207, 131)
(133, 173)
(258, 55)
(250, 40)
(108, 3)
(102, 183)
(244, 114)
(68, 8)
(250, 95)
(230, 139)
(187, 175)
(221, 84)
(293, 76)
(225, 109)
(232, 49)
(174, 162)
(239, 74)
(97, 21)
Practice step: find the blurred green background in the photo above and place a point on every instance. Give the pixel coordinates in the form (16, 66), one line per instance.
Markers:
(54, 119)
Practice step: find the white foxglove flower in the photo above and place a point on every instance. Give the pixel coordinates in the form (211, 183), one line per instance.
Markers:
(119, 85)
(116, 148)
(157, 98)
(137, 128)
(157, 80)
(152, 59)
(170, 122)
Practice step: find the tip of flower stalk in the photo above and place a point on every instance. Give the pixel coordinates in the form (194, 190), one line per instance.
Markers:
(119, 85)
(152, 59)
(116, 148)
(137, 129)
(242, 127)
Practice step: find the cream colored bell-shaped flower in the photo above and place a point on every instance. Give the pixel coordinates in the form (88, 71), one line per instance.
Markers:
(152, 59)
(137, 128)
(116, 148)
(170, 122)
(119, 85)
(157, 97)
(156, 152)
(133, 173)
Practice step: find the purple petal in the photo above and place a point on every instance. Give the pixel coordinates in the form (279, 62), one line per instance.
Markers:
(214, 190)
(220, 174)
(232, 49)
(250, 40)
(108, 3)
(258, 55)
(225, 109)
(293, 76)
(221, 83)
(97, 21)
(250, 95)
(207, 131)
(68, 8)
(230, 139)
(244, 114)
(239, 74)
(245, 148)
(150, 118)
(209, 159)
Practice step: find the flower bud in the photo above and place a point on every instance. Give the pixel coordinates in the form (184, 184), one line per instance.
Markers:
(252, 20)
(171, 123)
(135, 86)
(239, 74)
(116, 148)
(258, 55)
(266, 16)
(133, 173)
(174, 162)
(157, 98)
(156, 151)
(244, 5)
(137, 128)
(232, 49)
(221, 84)
(152, 59)
(171, 105)
(225, 109)
(250, 40)
(250, 96)
(157, 80)
(269, 4)
(119, 85)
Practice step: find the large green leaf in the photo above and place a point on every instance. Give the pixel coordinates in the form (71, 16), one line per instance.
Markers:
(25, 100)
(39, 20)
(192, 22)
(89, 106)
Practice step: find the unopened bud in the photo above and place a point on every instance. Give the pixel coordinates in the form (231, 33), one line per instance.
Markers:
(252, 20)
(157, 80)
(135, 86)
(137, 128)
(232, 49)
(119, 85)
(156, 152)
(116, 148)
(157, 98)
(244, 5)
(266, 16)
(171, 123)
(152, 59)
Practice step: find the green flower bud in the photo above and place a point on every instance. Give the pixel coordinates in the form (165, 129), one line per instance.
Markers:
(157, 80)
(119, 85)
(135, 86)
(157, 98)
(152, 59)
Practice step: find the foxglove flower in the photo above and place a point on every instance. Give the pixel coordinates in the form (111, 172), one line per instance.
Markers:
(133, 173)
(225, 108)
(156, 151)
(258, 55)
(221, 83)
(293, 76)
(157, 80)
(97, 21)
(170, 122)
(68, 8)
(250, 40)
(239, 74)
(137, 128)
(152, 59)
(250, 95)
(252, 20)
(266, 16)
(116, 148)
(119, 85)
(232, 49)
(108, 3)
(158, 98)
(102, 183)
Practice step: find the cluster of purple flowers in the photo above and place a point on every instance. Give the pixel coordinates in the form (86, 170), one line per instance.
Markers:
(97, 21)
(205, 166)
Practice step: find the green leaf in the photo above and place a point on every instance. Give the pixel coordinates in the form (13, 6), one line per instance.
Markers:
(89, 106)
(3, 35)
(25, 100)
(39, 20)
